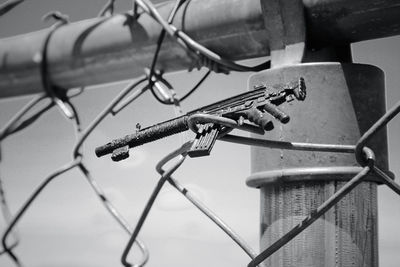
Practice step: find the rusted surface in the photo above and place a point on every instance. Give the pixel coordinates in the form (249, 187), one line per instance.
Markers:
(105, 50)
(146, 135)
(250, 105)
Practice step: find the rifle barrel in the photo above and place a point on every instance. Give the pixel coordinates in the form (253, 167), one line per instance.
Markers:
(146, 135)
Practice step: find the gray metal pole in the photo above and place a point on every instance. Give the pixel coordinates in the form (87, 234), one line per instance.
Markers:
(97, 51)
(343, 101)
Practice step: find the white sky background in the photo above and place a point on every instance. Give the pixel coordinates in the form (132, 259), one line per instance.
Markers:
(67, 225)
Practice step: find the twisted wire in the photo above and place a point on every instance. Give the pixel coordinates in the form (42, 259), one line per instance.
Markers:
(59, 98)
(56, 94)
(160, 40)
(108, 9)
(166, 175)
(211, 215)
(27, 204)
(203, 54)
(77, 162)
(9, 5)
(99, 192)
(152, 78)
(14, 125)
(181, 153)
(6, 212)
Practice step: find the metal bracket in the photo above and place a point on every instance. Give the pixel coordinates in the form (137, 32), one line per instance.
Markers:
(285, 23)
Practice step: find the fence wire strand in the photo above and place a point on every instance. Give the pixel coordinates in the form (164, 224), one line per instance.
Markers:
(76, 162)
(167, 176)
(107, 10)
(314, 215)
(181, 153)
(14, 123)
(202, 55)
(27, 204)
(211, 215)
(7, 215)
(9, 5)
(366, 158)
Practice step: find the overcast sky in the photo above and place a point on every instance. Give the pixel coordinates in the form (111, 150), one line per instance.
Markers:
(67, 226)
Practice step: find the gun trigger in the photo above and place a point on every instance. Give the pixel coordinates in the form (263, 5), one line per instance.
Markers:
(205, 140)
(120, 153)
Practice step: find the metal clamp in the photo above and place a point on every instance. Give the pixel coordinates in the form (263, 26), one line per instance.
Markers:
(285, 24)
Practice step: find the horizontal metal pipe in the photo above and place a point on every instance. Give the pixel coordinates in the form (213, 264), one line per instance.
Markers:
(105, 50)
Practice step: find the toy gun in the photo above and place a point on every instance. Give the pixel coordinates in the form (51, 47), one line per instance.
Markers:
(253, 106)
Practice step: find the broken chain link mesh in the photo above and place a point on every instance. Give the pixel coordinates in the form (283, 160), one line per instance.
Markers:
(204, 57)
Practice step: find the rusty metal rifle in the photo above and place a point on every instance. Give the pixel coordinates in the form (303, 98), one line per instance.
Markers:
(252, 105)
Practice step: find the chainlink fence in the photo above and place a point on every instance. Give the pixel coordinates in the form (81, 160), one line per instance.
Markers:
(153, 81)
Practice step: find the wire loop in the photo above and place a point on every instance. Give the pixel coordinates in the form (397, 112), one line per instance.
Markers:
(181, 154)
(76, 162)
(108, 9)
(155, 76)
(385, 119)
(57, 95)
(195, 48)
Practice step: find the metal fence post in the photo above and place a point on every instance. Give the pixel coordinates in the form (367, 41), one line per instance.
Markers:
(343, 100)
